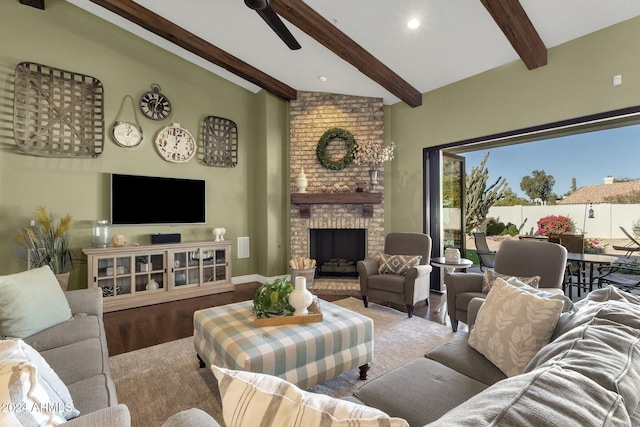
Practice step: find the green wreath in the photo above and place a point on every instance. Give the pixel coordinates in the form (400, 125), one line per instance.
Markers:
(328, 136)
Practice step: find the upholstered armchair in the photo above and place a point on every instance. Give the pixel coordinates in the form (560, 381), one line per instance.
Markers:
(520, 258)
(409, 286)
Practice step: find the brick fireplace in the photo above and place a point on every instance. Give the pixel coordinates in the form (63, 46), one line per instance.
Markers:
(311, 115)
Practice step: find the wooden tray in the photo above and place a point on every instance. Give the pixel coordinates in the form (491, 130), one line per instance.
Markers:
(315, 315)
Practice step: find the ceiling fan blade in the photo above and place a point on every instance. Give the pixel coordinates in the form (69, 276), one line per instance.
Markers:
(276, 24)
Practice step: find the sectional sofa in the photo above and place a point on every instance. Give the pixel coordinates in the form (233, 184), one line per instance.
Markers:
(56, 343)
(587, 375)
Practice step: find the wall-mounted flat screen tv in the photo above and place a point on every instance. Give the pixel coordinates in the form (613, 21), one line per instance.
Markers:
(140, 200)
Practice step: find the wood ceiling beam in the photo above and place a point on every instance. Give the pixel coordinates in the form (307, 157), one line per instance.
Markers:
(39, 4)
(311, 22)
(516, 26)
(194, 44)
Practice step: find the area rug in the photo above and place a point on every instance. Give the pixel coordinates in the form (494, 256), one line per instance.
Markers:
(158, 381)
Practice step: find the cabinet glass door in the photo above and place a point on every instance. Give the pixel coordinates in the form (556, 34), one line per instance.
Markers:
(149, 270)
(114, 275)
(186, 268)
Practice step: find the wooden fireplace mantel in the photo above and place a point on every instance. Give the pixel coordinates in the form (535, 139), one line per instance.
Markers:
(305, 200)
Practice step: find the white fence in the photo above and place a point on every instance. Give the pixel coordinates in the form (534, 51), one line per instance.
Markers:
(606, 223)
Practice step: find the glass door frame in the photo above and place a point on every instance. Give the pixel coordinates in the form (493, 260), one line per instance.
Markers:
(433, 223)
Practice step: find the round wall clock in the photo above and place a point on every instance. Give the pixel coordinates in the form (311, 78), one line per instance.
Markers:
(155, 105)
(127, 134)
(175, 144)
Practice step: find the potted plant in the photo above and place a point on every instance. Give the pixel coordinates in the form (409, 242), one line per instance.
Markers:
(48, 244)
(272, 299)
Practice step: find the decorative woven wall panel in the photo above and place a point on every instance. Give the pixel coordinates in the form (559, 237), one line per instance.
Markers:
(219, 142)
(57, 113)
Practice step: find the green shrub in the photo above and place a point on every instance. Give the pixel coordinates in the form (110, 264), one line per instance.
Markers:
(495, 227)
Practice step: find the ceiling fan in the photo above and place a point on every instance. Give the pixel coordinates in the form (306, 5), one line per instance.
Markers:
(274, 21)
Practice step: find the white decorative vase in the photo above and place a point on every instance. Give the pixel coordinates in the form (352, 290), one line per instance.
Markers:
(452, 255)
(301, 182)
(300, 298)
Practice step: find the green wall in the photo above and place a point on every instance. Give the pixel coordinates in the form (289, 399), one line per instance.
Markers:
(252, 198)
(67, 37)
(577, 81)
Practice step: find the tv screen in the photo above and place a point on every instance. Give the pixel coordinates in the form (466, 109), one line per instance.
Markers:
(137, 200)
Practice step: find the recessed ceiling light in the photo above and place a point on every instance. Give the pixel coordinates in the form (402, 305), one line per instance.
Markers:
(322, 78)
(413, 23)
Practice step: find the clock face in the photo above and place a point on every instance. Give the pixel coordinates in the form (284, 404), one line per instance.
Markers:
(127, 134)
(175, 144)
(155, 105)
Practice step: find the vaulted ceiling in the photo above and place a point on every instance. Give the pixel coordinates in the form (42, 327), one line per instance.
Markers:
(360, 47)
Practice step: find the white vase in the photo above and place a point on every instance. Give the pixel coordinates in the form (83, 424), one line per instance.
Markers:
(301, 182)
(300, 298)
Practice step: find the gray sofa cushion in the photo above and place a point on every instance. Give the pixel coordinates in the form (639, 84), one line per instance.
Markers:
(420, 391)
(459, 356)
(117, 416)
(606, 303)
(87, 358)
(65, 333)
(93, 393)
(548, 396)
(604, 351)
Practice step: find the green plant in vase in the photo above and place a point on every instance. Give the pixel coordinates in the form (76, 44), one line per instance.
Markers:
(272, 299)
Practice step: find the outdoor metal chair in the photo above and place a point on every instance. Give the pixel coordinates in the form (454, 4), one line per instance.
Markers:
(629, 248)
(574, 243)
(485, 255)
(625, 275)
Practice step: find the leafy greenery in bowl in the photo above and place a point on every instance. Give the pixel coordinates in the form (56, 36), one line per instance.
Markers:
(272, 299)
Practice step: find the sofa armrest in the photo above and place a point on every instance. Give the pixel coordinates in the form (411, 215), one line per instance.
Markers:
(88, 301)
(116, 416)
(368, 267)
(472, 311)
(193, 417)
(423, 270)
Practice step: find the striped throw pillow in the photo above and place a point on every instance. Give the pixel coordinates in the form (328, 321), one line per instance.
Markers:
(252, 399)
(397, 264)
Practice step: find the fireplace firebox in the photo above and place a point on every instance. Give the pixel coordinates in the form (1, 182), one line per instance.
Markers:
(337, 251)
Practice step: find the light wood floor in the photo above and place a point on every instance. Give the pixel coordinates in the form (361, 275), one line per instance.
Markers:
(137, 328)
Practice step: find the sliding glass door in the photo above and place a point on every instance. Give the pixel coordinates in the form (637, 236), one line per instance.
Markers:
(444, 201)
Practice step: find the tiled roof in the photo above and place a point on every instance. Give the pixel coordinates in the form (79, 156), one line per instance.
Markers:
(599, 193)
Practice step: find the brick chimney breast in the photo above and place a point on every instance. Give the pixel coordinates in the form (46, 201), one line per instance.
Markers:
(311, 115)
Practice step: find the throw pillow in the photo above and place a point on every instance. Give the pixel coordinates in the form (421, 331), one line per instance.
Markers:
(17, 350)
(30, 302)
(551, 293)
(252, 399)
(24, 401)
(490, 277)
(397, 264)
(512, 326)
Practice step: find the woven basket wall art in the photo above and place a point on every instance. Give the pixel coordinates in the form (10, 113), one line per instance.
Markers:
(57, 113)
(219, 142)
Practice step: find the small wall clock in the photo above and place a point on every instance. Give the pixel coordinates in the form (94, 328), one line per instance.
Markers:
(175, 144)
(127, 134)
(155, 105)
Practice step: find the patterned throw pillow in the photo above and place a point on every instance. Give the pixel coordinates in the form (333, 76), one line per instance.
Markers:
(251, 399)
(513, 325)
(490, 277)
(397, 264)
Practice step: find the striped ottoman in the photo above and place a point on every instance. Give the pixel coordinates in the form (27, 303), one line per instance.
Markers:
(303, 354)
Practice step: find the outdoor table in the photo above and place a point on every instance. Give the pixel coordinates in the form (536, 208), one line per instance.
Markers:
(590, 259)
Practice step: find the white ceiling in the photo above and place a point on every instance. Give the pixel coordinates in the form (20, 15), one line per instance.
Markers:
(457, 38)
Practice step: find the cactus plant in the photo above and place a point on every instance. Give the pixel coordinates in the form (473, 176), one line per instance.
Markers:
(479, 197)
